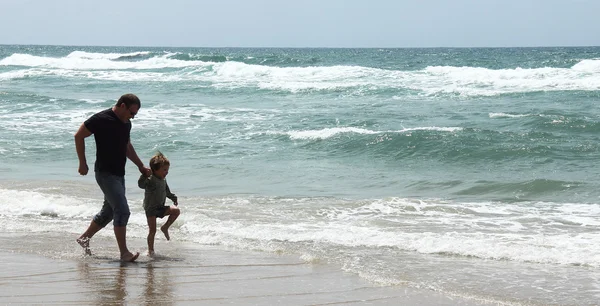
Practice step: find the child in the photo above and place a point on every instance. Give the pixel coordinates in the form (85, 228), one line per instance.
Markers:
(156, 193)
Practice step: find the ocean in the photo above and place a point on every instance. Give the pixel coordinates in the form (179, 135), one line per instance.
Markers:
(470, 172)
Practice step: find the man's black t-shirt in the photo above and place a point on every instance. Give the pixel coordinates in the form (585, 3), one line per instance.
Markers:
(112, 136)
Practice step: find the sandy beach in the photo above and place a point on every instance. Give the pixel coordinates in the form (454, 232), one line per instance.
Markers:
(49, 268)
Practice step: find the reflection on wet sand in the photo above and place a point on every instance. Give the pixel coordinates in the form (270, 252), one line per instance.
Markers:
(206, 276)
(108, 285)
(125, 283)
(158, 288)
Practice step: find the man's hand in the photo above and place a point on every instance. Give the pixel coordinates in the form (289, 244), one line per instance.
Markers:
(83, 169)
(145, 171)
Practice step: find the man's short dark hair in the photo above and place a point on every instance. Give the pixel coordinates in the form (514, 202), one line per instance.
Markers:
(129, 100)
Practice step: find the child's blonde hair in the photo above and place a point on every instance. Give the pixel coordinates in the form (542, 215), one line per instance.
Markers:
(158, 160)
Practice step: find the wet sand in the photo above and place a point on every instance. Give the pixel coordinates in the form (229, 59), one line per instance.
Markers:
(49, 269)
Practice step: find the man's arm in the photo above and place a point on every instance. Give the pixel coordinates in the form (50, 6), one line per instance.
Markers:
(132, 155)
(80, 136)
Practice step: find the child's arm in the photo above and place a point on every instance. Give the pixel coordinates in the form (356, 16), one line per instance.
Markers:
(143, 181)
(171, 196)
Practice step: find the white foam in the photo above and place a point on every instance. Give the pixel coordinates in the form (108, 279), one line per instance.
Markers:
(430, 128)
(470, 81)
(485, 230)
(110, 75)
(92, 55)
(44, 122)
(93, 101)
(190, 115)
(588, 66)
(541, 248)
(464, 81)
(431, 81)
(527, 232)
(505, 115)
(95, 62)
(331, 132)
(327, 132)
(26, 202)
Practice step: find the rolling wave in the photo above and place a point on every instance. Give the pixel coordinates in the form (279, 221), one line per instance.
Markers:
(522, 232)
(221, 72)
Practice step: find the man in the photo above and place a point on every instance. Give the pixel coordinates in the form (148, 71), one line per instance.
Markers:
(111, 129)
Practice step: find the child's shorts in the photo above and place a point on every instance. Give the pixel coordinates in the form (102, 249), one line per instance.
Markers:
(159, 212)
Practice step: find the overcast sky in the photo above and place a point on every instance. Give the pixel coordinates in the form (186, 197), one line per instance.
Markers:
(301, 23)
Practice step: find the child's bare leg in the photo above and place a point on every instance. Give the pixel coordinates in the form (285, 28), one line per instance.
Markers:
(173, 213)
(151, 233)
(84, 239)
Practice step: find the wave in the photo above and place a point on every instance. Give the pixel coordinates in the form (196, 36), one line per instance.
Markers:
(526, 189)
(587, 66)
(331, 132)
(199, 57)
(525, 232)
(93, 61)
(562, 123)
(449, 145)
(505, 115)
(488, 230)
(110, 56)
(220, 72)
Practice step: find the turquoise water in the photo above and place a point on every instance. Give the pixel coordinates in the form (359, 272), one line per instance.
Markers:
(399, 165)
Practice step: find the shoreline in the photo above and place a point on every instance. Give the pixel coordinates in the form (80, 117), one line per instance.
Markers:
(46, 268)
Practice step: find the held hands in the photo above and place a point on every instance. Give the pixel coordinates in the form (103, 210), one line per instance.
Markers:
(145, 171)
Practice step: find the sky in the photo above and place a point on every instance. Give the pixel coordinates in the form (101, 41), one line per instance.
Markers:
(301, 23)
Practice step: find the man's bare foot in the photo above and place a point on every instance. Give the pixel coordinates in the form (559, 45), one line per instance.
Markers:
(165, 231)
(129, 257)
(85, 244)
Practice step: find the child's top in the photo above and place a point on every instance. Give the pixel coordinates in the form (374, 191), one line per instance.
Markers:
(157, 190)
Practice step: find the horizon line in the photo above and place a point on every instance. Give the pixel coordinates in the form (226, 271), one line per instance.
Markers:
(307, 47)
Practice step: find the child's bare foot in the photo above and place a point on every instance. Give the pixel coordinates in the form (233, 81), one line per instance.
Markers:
(129, 257)
(85, 244)
(150, 254)
(165, 231)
